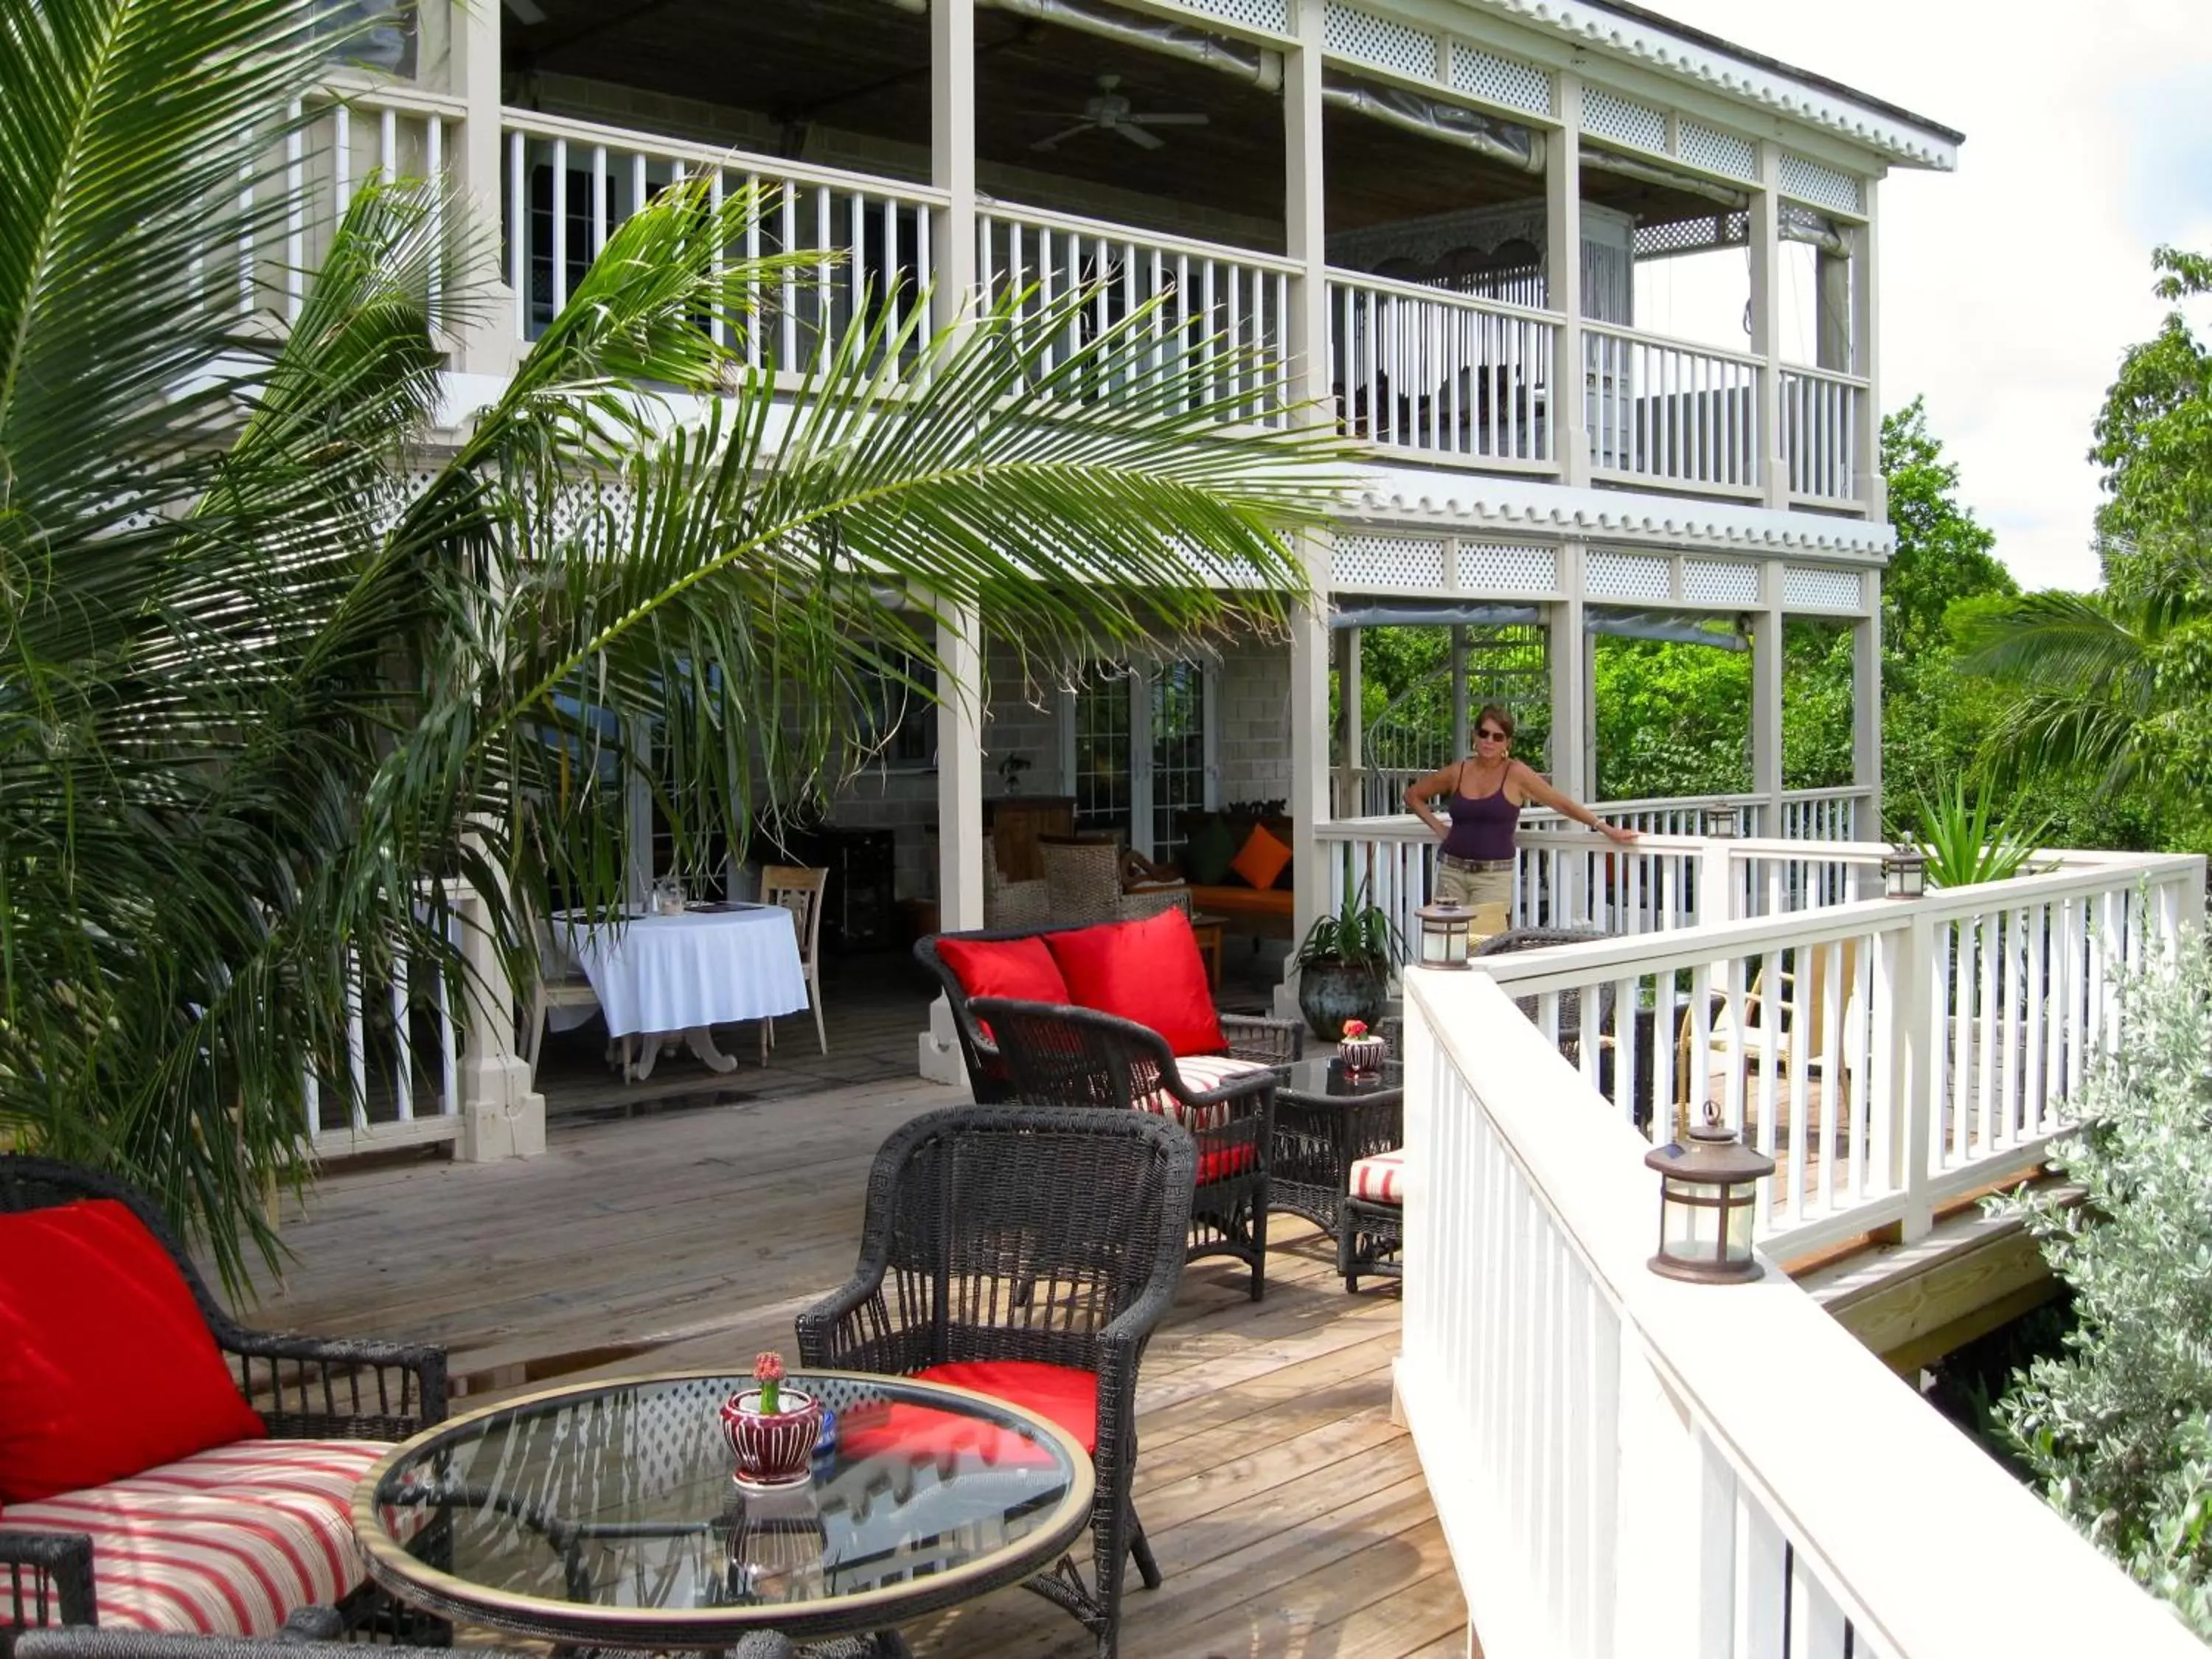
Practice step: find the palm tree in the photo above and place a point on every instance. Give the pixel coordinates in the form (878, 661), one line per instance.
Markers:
(260, 686)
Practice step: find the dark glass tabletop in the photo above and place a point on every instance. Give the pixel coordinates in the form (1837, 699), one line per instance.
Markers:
(605, 1514)
(1324, 1075)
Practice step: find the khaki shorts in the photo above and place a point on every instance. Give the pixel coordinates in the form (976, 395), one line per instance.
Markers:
(1474, 887)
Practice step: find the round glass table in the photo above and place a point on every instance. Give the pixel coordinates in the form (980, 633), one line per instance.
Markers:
(606, 1515)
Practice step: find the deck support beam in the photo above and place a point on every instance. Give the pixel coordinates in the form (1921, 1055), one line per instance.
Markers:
(1572, 762)
(487, 345)
(1563, 278)
(1766, 321)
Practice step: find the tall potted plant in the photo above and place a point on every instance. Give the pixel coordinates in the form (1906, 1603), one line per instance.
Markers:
(1344, 966)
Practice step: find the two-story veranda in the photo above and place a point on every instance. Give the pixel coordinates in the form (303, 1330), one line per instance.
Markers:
(1375, 193)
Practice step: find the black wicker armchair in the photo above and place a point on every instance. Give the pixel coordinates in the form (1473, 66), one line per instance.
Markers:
(1250, 1036)
(1019, 1233)
(305, 1389)
(1062, 1056)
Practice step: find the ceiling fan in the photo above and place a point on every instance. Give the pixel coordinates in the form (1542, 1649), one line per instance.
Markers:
(1108, 111)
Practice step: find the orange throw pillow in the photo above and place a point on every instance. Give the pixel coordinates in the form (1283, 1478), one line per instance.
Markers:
(1262, 859)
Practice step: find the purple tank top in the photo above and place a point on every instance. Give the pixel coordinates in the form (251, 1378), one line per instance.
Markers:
(1482, 826)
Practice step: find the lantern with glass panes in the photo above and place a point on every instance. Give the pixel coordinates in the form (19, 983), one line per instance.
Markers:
(1708, 1184)
(1723, 820)
(1446, 935)
(1903, 872)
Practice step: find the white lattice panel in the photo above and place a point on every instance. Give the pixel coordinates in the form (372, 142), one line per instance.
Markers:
(1720, 581)
(1497, 79)
(1494, 568)
(1627, 576)
(1272, 15)
(1723, 152)
(1611, 116)
(1349, 32)
(1413, 563)
(1804, 589)
(1825, 186)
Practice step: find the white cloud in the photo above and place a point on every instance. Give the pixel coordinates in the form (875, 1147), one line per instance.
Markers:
(2010, 290)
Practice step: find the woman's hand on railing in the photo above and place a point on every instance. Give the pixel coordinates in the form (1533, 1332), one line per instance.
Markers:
(1619, 833)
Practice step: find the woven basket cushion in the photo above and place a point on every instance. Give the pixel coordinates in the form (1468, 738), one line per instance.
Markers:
(106, 1366)
(225, 1542)
(1262, 859)
(1201, 1074)
(1148, 971)
(1206, 854)
(1061, 1394)
(1381, 1179)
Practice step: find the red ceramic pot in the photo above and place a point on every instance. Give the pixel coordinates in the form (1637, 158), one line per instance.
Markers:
(776, 1449)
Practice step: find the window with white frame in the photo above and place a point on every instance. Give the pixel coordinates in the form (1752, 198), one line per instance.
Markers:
(1137, 752)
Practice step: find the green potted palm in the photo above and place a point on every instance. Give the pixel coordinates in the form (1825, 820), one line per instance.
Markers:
(1345, 964)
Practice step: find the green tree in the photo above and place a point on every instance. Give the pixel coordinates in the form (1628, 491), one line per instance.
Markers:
(259, 684)
(2154, 440)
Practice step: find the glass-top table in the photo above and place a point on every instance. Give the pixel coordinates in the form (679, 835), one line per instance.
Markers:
(604, 1513)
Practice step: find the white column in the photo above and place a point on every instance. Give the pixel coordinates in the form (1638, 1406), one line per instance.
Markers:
(1573, 764)
(1766, 319)
(1460, 744)
(487, 345)
(1563, 281)
(502, 1115)
(1350, 682)
(1874, 490)
(1767, 698)
(1866, 716)
(959, 636)
(1309, 359)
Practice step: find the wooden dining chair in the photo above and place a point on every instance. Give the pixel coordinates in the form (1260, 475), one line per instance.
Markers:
(560, 984)
(802, 891)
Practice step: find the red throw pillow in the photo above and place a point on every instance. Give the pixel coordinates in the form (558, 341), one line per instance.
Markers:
(1149, 971)
(1262, 859)
(1020, 968)
(1061, 1394)
(106, 1368)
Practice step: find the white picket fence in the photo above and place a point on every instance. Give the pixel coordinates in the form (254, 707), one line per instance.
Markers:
(1626, 1465)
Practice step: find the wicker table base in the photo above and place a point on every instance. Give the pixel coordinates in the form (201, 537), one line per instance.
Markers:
(1324, 1124)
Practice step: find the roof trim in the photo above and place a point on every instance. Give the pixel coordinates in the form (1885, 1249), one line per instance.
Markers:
(1629, 30)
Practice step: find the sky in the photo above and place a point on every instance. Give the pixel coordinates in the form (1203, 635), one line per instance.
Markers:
(2010, 288)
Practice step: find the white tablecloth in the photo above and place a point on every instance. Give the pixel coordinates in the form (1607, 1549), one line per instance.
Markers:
(702, 968)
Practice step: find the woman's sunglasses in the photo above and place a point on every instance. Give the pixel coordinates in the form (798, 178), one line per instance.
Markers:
(1490, 734)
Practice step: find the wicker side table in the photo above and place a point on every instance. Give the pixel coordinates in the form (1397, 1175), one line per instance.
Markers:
(1325, 1122)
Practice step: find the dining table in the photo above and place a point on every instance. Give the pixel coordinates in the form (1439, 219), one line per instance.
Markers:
(662, 975)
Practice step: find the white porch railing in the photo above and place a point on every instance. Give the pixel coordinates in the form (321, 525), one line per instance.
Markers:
(1213, 298)
(569, 184)
(1445, 373)
(1820, 411)
(1671, 410)
(1624, 1464)
(1888, 1055)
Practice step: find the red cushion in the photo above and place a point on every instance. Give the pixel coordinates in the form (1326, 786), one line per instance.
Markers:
(106, 1367)
(1224, 1162)
(1021, 969)
(1061, 1394)
(1149, 971)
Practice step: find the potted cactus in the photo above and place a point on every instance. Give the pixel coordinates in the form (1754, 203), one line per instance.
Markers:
(772, 1429)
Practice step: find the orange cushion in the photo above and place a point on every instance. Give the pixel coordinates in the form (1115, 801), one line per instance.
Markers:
(1061, 1394)
(106, 1367)
(1021, 969)
(1262, 859)
(1148, 971)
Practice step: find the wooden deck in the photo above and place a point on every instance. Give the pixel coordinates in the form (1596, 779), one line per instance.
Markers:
(1287, 1511)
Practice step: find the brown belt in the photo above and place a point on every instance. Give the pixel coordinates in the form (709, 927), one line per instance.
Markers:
(1453, 861)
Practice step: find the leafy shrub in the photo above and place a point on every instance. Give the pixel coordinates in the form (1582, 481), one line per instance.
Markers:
(2118, 1426)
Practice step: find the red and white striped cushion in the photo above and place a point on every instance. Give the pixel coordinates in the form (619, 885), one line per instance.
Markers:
(1201, 1074)
(1381, 1179)
(225, 1542)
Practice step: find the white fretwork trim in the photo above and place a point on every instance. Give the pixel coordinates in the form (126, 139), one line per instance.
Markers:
(1609, 115)
(1610, 575)
(1653, 46)
(1496, 79)
(1349, 32)
(1271, 15)
(1804, 589)
(1520, 508)
(1398, 562)
(1721, 152)
(1498, 567)
(1823, 186)
(1720, 581)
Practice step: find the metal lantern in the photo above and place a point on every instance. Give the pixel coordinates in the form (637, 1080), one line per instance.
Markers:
(1903, 872)
(1723, 820)
(1708, 1180)
(1446, 931)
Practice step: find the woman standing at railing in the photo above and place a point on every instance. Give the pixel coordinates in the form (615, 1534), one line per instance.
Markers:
(1486, 793)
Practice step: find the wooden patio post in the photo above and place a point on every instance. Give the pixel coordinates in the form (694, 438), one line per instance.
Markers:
(1766, 322)
(489, 345)
(1562, 283)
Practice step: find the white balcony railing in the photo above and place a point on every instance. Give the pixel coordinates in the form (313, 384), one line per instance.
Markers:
(1820, 412)
(1624, 1464)
(1668, 411)
(1228, 303)
(1444, 374)
(569, 184)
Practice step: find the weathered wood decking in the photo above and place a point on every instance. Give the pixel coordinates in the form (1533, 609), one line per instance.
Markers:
(1287, 1511)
